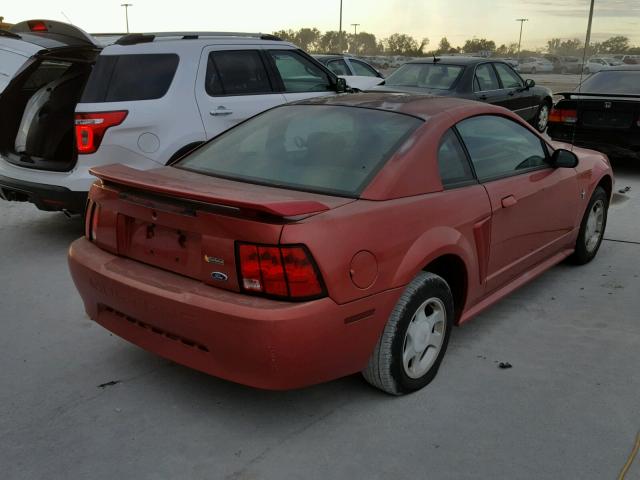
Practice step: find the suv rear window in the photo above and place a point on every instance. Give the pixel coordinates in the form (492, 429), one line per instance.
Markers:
(122, 78)
(10, 63)
(318, 148)
(240, 72)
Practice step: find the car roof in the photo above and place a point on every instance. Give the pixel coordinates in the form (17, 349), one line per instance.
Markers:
(455, 60)
(422, 106)
(622, 68)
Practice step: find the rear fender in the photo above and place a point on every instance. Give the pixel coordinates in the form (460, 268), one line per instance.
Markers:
(432, 245)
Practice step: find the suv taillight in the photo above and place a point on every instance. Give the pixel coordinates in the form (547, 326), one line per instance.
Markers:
(563, 115)
(90, 128)
(287, 272)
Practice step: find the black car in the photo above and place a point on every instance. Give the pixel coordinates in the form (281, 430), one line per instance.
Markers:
(348, 65)
(603, 113)
(491, 81)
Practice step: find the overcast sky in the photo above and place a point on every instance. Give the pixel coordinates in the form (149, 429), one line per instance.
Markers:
(456, 19)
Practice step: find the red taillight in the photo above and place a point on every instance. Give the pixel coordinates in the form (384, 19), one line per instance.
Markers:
(283, 272)
(90, 128)
(563, 115)
(38, 26)
(91, 218)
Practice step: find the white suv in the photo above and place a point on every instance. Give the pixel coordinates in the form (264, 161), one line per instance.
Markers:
(148, 100)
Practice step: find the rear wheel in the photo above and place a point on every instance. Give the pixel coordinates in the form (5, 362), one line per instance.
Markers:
(592, 228)
(534, 71)
(415, 339)
(564, 70)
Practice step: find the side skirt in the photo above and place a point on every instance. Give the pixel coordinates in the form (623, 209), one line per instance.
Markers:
(514, 285)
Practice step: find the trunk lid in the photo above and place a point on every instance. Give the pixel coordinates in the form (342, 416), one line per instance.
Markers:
(604, 112)
(189, 223)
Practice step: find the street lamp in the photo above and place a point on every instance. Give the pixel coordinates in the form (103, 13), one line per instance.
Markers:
(521, 20)
(340, 29)
(355, 33)
(126, 13)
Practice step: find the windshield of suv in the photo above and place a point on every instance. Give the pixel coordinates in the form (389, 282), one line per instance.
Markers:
(319, 148)
(616, 82)
(425, 75)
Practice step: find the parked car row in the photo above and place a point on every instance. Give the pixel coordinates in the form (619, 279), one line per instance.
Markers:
(253, 220)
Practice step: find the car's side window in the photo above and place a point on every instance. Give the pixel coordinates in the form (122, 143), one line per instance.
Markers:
(298, 73)
(363, 69)
(501, 147)
(453, 163)
(339, 67)
(486, 78)
(239, 72)
(507, 76)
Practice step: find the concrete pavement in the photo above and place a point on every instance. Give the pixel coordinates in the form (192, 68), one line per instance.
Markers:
(569, 407)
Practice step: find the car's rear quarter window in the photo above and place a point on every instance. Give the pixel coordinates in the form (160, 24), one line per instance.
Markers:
(122, 78)
(319, 148)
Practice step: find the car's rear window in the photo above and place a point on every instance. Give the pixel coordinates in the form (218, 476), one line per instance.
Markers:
(613, 82)
(122, 78)
(425, 75)
(318, 148)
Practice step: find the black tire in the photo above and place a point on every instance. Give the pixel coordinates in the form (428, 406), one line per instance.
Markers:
(534, 71)
(537, 120)
(583, 254)
(386, 369)
(564, 70)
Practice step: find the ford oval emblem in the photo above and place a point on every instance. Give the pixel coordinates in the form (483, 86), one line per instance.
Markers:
(219, 276)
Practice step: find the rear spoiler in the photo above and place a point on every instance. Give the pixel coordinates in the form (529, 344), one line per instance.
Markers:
(568, 95)
(209, 190)
(43, 27)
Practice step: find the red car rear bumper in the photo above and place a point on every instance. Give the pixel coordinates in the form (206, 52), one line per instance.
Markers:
(254, 341)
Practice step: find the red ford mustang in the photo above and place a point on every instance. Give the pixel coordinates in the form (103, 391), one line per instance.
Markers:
(334, 236)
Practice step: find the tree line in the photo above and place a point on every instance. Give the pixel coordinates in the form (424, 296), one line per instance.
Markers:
(367, 44)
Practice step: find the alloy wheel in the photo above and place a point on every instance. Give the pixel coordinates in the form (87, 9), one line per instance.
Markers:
(424, 338)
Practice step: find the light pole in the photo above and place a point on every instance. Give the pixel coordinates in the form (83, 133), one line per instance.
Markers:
(340, 29)
(521, 20)
(126, 13)
(588, 40)
(355, 33)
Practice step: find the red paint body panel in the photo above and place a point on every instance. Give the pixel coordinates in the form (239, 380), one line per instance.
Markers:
(148, 275)
(254, 341)
(202, 188)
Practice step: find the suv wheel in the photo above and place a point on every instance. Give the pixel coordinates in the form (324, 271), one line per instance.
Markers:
(415, 338)
(533, 71)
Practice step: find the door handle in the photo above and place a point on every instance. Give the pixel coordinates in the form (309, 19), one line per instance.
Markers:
(221, 111)
(509, 201)
(482, 97)
(511, 93)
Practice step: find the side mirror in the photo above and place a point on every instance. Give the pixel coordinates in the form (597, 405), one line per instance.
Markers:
(341, 85)
(529, 83)
(562, 158)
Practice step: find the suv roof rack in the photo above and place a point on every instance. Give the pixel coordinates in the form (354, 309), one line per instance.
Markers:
(135, 38)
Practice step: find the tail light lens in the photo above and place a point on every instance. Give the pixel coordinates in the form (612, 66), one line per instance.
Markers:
(563, 115)
(91, 127)
(91, 220)
(287, 272)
